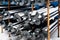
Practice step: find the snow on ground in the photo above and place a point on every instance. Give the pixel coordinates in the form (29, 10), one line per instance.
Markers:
(4, 36)
(55, 36)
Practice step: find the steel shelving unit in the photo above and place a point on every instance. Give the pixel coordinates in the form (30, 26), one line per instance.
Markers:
(48, 17)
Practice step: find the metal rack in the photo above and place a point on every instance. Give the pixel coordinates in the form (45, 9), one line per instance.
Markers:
(48, 16)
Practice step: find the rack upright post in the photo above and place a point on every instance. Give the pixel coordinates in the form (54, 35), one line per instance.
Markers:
(48, 21)
(58, 18)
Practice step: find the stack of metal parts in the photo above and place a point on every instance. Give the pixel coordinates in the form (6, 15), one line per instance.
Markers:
(26, 25)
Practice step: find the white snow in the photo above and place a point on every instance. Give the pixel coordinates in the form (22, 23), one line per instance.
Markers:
(4, 35)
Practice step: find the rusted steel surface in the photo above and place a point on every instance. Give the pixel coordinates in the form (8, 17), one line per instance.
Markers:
(59, 18)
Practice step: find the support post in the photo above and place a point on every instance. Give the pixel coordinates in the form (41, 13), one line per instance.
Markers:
(32, 4)
(8, 4)
(32, 7)
(48, 21)
(9, 19)
(59, 18)
(1, 28)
